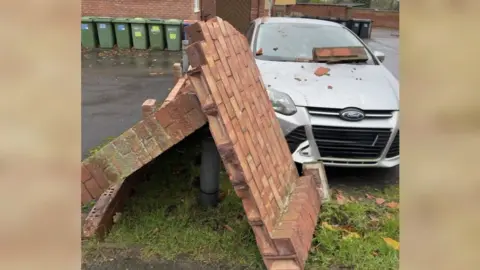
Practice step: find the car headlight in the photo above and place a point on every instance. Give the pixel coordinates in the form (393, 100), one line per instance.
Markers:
(281, 102)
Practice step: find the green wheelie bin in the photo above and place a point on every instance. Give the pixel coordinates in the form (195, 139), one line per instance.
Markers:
(155, 34)
(139, 33)
(122, 33)
(89, 33)
(173, 34)
(106, 36)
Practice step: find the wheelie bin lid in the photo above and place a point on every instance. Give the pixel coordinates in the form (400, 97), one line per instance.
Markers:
(121, 20)
(137, 20)
(87, 19)
(173, 22)
(102, 19)
(155, 21)
(363, 20)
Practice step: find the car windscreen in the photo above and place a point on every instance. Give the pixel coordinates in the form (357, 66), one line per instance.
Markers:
(288, 42)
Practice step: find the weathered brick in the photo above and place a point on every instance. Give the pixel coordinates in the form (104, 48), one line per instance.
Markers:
(148, 107)
(152, 147)
(264, 242)
(117, 160)
(96, 165)
(86, 197)
(284, 265)
(93, 188)
(85, 174)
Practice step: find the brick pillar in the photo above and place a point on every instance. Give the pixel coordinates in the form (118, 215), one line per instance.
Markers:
(177, 72)
(148, 107)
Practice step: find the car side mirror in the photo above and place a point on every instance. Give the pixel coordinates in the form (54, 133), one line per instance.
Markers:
(379, 55)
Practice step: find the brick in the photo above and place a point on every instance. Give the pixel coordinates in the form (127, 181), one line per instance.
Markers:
(93, 188)
(177, 72)
(148, 107)
(96, 165)
(158, 132)
(86, 197)
(116, 160)
(85, 174)
(285, 265)
(264, 242)
(142, 132)
(152, 147)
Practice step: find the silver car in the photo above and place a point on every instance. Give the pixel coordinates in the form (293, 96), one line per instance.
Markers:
(349, 118)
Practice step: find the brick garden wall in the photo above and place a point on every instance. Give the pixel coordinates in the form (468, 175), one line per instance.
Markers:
(381, 18)
(178, 117)
(164, 9)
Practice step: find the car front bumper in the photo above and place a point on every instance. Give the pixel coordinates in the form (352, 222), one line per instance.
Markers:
(372, 142)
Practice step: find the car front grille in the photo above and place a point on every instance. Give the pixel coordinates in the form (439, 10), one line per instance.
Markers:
(295, 138)
(350, 143)
(369, 114)
(394, 147)
(346, 143)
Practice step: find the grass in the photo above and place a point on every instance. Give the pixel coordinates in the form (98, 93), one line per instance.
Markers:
(165, 221)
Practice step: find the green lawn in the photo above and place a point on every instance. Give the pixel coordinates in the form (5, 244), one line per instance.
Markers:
(164, 220)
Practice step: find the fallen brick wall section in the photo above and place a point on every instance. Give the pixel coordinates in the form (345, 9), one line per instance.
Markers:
(119, 164)
(178, 117)
(281, 207)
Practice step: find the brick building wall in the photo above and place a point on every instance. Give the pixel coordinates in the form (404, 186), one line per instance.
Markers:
(164, 9)
(381, 18)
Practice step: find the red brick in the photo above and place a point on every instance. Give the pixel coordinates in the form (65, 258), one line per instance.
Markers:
(96, 166)
(85, 174)
(285, 265)
(93, 188)
(158, 132)
(86, 197)
(209, 77)
(148, 107)
(264, 242)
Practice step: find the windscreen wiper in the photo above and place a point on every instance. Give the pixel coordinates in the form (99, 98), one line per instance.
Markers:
(337, 61)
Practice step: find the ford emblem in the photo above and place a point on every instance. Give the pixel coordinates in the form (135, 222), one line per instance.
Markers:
(352, 114)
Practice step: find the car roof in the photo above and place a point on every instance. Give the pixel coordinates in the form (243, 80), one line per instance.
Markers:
(293, 20)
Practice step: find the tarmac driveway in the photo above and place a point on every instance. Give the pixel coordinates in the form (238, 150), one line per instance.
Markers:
(114, 88)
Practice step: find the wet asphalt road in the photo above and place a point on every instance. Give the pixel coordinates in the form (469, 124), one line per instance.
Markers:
(114, 87)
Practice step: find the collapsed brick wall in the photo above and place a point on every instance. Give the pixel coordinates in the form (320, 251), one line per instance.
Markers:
(281, 207)
(164, 9)
(123, 163)
(381, 18)
(178, 117)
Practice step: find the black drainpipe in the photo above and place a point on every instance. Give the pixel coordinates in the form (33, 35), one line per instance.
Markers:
(209, 172)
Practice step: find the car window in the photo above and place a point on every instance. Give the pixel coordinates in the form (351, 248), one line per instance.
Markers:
(287, 42)
(249, 33)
